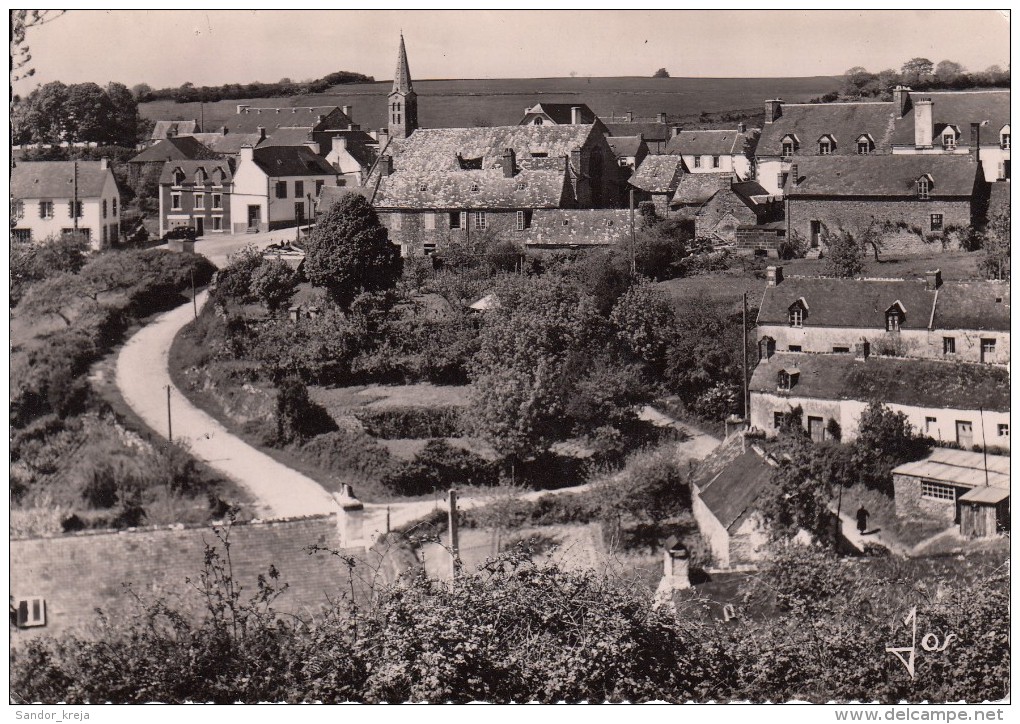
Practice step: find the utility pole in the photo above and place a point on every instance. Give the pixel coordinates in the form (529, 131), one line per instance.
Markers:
(194, 301)
(984, 444)
(454, 542)
(74, 200)
(633, 242)
(747, 392)
(169, 422)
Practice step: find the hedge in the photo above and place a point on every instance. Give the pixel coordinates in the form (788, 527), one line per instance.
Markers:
(406, 422)
(440, 466)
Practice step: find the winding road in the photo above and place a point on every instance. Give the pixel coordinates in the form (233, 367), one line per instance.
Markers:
(143, 378)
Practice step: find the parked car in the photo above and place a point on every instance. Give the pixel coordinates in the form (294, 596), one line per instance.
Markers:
(186, 233)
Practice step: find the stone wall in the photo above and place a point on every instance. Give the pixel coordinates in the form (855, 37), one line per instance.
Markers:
(721, 215)
(910, 504)
(717, 537)
(759, 239)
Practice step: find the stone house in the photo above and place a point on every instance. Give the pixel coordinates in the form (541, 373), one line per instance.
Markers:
(713, 151)
(274, 187)
(176, 148)
(735, 206)
(723, 496)
(558, 114)
(657, 180)
(48, 197)
(655, 132)
(953, 401)
(630, 151)
(914, 202)
(925, 318)
(196, 194)
(162, 130)
(956, 486)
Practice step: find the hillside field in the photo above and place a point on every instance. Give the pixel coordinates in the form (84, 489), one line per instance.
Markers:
(461, 103)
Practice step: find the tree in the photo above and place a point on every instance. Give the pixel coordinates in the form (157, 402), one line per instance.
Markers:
(995, 260)
(885, 439)
(645, 323)
(21, 57)
(947, 71)
(234, 281)
(33, 262)
(844, 256)
(141, 91)
(273, 283)
(124, 119)
(88, 110)
(796, 497)
(661, 73)
(917, 69)
(856, 80)
(349, 251)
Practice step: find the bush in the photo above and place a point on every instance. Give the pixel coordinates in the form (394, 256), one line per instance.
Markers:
(400, 423)
(347, 452)
(440, 466)
(297, 417)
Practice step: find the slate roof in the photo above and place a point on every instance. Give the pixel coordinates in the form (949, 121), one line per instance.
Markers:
(229, 143)
(845, 122)
(835, 302)
(893, 380)
(361, 146)
(973, 305)
(288, 136)
(658, 174)
(649, 130)
(560, 113)
(731, 492)
(625, 145)
(707, 142)
(960, 108)
(697, 188)
(178, 148)
(485, 189)
(277, 161)
(749, 192)
(960, 467)
(249, 120)
(55, 179)
(190, 167)
(888, 175)
(163, 129)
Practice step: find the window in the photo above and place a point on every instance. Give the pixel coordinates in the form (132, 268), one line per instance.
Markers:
(784, 381)
(777, 420)
(1004, 141)
(923, 188)
(429, 247)
(480, 220)
(948, 345)
(697, 162)
(796, 317)
(716, 162)
(566, 222)
(987, 350)
(22, 235)
(893, 319)
(936, 222)
(395, 221)
(114, 206)
(318, 187)
(199, 201)
(929, 425)
(423, 187)
(864, 145)
(794, 348)
(539, 121)
(217, 223)
(937, 491)
(430, 221)
(824, 148)
(454, 219)
(104, 208)
(29, 612)
(299, 189)
(949, 141)
(539, 154)
(474, 187)
(175, 202)
(609, 222)
(1003, 429)
(281, 189)
(104, 236)
(780, 180)
(840, 350)
(178, 177)
(71, 209)
(787, 149)
(521, 186)
(217, 201)
(18, 210)
(520, 221)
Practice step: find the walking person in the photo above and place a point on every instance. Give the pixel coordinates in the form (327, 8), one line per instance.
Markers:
(862, 519)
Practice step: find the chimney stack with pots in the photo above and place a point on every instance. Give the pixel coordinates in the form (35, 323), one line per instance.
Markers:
(923, 124)
(575, 115)
(509, 163)
(660, 118)
(861, 351)
(773, 276)
(773, 110)
(741, 127)
(387, 165)
(630, 116)
(348, 111)
(901, 99)
(350, 518)
(933, 279)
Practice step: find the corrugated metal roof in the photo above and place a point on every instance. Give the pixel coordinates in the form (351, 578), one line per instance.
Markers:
(960, 467)
(970, 459)
(985, 495)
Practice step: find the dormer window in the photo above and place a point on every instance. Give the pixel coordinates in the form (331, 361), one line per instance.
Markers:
(200, 177)
(766, 348)
(539, 121)
(521, 186)
(474, 187)
(423, 187)
(949, 139)
(1004, 138)
(826, 145)
(798, 312)
(786, 379)
(178, 177)
(865, 145)
(924, 185)
(789, 145)
(894, 317)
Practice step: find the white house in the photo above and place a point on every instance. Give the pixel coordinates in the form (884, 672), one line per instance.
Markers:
(275, 187)
(713, 151)
(46, 194)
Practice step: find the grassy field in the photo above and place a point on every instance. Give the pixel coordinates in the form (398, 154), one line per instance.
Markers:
(501, 101)
(338, 400)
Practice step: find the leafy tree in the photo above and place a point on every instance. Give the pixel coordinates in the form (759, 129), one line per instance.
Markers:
(995, 258)
(947, 71)
(917, 69)
(124, 121)
(273, 283)
(844, 256)
(298, 418)
(89, 110)
(33, 262)
(21, 22)
(349, 252)
(885, 439)
(234, 281)
(661, 73)
(796, 497)
(645, 323)
(857, 81)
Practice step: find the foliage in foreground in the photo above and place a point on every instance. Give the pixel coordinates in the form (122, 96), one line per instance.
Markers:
(517, 630)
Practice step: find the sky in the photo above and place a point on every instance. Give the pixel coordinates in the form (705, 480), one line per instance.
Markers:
(167, 48)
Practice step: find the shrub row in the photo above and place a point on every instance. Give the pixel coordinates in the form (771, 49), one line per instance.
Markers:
(440, 466)
(417, 423)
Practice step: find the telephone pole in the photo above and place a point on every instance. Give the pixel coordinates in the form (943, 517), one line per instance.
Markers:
(169, 422)
(454, 538)
(633, 242)
(747, 392)
(74, 199)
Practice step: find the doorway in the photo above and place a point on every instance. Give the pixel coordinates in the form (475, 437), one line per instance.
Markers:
(816, 234)
(965, 434)
(254, 218)
(199, 226)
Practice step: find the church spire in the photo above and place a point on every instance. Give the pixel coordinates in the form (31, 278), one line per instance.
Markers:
(402, 76)
(403, 101)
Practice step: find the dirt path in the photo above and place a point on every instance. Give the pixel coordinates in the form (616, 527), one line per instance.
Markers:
(858, 541)
(696, 447)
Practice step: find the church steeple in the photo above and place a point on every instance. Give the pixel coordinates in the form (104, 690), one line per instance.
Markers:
(403, 101)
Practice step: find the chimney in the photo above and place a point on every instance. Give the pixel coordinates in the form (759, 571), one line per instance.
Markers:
(676, 130)
(262, 133)
(933, 279)
(773, 276)
(923, 128)
(386, 167)
(384, 136)
(575, 159)
(350, 519)
(725, 181)
(575, 115)
(660, 118)
(223, 130)
(509, 163)
(319, 118)
(861, 351)
(901, 100)
(735, 424)
(339, 143)
(241, 108)
(630, 116)
(975, 141)
(104, 164)
(773, 110)
(247, 153)
(794, 174)
(675, 572)
(741, 127)
(348, 110)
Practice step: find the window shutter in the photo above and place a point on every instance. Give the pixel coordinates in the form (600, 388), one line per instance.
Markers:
(520, 221)
(430, 221)
(1002, 170)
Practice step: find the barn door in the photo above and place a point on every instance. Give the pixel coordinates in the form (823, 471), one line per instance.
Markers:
(965, 434)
